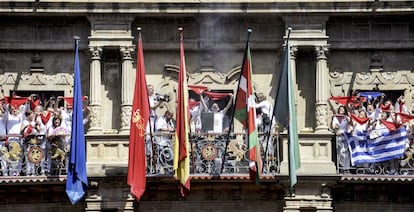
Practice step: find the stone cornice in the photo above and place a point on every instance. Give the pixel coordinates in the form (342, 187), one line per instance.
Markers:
(152, 7)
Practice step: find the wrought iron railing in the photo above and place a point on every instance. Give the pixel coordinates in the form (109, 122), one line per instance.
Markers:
(207, 154)
(37, 155)
(34, 155)
(398, 166)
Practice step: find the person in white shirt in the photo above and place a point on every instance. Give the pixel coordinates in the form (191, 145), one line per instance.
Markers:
(265, 112)
(14, 119)
(165, 124)
(339, 124)
(219, 115)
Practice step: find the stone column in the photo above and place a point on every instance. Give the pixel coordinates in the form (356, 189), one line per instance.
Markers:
(127, 89)
(322, 77)
(95, 91)
(293, 52)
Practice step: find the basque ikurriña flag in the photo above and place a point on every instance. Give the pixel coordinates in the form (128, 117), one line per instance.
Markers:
(139, 121)
(181, 144)
(77, 181)
(245, 112)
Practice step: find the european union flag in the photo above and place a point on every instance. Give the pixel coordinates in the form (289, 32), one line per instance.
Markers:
(77, 180)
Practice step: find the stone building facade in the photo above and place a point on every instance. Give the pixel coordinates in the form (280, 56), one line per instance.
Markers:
(337, 47)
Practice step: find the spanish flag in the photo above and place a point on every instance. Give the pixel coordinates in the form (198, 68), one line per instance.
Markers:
(181, 144)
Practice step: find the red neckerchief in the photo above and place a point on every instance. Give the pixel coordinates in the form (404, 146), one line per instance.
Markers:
(390, 125)
(45, 118)
(405, 117)
(359, 120)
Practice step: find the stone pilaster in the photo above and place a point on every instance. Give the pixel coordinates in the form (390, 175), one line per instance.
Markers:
(109, 195)
(127, 90)
(310, 195)
(95, 96)
(322, 77)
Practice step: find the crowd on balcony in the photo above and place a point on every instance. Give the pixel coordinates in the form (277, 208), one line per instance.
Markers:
(210, 116)
(371, 129)
(35, 134)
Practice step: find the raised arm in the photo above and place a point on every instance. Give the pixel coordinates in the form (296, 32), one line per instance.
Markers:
(229, 103)
(205, 108)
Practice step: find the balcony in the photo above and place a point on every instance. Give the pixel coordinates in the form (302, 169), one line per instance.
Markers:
(37, 156)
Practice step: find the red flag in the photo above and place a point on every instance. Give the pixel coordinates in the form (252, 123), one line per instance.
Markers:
(139, 120)
(181, 145)
(245, 112)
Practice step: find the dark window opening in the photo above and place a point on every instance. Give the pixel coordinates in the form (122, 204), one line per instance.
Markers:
(307, 209)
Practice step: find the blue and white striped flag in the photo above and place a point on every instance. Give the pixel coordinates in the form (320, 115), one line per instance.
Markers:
(386, 145)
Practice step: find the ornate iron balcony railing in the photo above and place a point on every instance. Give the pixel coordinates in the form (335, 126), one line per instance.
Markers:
(37, 156)
(207, 154)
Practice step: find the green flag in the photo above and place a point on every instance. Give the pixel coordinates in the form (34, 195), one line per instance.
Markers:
(285, 113)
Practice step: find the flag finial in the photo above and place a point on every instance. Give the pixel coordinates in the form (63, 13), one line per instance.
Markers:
(289, 29)
(180, 29)
(139, 28)
(76, 37)
(249, 30)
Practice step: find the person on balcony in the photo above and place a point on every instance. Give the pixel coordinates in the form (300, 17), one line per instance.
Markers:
(58, 137)
(31, 127)
(264, 108)
(14, 118)
(339, 124)
(165, 124)
(219, 115)
(379, 127)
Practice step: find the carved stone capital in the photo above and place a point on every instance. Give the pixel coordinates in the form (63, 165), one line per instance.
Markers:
(321, 52)
(293, 52)
(126, 52)
(96, 52)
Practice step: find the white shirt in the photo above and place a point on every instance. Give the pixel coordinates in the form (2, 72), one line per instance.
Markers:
(340, 124)
(265, 107)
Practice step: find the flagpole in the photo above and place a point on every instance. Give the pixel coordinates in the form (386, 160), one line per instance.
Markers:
(249, 32)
